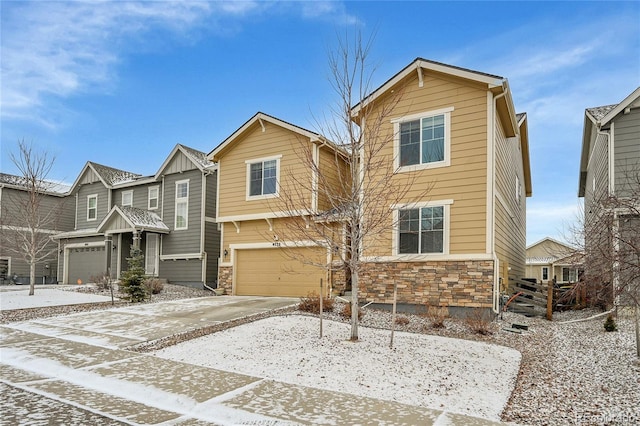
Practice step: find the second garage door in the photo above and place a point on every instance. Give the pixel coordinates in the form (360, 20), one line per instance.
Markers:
(279, 272)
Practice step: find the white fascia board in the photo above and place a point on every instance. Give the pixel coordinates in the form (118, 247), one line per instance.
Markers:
(620, 107)
(260, 216)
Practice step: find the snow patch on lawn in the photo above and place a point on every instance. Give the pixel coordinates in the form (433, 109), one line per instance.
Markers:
(454, 375)
(20, 299)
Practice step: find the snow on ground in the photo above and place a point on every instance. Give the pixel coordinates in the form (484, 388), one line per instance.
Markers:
(460, 376)
(20, 299)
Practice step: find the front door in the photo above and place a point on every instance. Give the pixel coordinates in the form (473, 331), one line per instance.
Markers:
(151, 255)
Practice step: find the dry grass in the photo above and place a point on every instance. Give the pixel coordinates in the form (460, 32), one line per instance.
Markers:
(311, 303)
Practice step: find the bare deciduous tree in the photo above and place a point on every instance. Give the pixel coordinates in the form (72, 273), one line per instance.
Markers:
(608, 232)
(27, 221)
(359, 185)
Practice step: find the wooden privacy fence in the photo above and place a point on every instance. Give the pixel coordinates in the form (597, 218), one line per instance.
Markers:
(531, 298)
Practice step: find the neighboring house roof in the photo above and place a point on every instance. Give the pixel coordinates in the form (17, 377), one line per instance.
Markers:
(78, 233)
(261, 118)
(45, 186)
(566, 253)
(198, 158)
(135, 218)
(597, 119)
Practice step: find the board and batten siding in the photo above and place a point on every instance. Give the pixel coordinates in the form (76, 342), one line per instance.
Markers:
(626, 133)
(464, 180)
(254, 145)
(510, 212)
(597, 170)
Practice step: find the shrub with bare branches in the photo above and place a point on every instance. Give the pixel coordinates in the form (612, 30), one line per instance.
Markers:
(311, 303)
(479, 321)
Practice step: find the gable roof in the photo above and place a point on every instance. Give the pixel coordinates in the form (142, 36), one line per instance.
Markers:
(552, 256)
(490, 80)
(524, 149)
(109, 176)
(261, 118)
(597, 118)
(545, 239)
(198, 158)
(136, 219)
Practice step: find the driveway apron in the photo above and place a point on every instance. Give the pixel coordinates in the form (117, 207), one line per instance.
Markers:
(80, 362)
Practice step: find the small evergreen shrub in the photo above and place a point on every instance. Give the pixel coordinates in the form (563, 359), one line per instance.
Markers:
(153, 286)
(311, 303)
(132, 282)
(610, 324)
(346, 311)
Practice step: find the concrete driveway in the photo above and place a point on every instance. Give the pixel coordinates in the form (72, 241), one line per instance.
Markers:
(78, 361)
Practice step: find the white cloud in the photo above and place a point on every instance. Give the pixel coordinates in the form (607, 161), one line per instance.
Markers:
(53, 50)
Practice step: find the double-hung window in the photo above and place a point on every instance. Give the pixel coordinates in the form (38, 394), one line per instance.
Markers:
(182, 205)
(262, 177)
(545, 273)
(92, 207)
(127, 198)
(153, 197)
(569, 275)
(423, 140)
(421, 230)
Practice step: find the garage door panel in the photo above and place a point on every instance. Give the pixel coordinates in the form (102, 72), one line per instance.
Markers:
(84, 263)
(279, 272)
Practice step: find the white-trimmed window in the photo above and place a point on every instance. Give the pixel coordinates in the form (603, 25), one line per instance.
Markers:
(154, 192)
(545, 273)
(92, 207)
(423, 140)
(182, 205)
(127, 198)
(263, 175)
(422, 228)
(569, 275)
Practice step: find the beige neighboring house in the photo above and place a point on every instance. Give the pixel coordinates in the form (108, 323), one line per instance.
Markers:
(456, 130)
(550, 258)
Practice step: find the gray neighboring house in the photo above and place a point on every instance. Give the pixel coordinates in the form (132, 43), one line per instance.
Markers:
(57, 215)
(610, 167)
(170, 215)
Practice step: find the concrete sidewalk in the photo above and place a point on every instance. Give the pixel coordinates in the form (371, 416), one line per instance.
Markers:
(78, 360)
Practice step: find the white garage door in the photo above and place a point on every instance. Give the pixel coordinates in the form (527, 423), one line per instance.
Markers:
(279, 272)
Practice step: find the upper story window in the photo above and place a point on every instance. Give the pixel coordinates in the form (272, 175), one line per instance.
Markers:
(92, 207)
(423, 140)
(182, 205)
(153, 197)
(127, 198)
(262, 177)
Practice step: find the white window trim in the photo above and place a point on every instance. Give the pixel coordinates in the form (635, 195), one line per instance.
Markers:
(157, 197)
(89, 219)
(447, 140)
(122, 198)
(181, 200)
(248, 163)
(395, 233)
(542, 278)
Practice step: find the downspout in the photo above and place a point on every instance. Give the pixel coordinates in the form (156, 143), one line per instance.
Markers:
(75, 219)
(491, 236)
(203, 200)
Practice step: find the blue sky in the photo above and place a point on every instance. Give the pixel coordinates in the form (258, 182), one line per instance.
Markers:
(120, 83)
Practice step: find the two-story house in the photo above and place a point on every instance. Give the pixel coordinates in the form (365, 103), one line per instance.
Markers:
(609, 182)
(52, 214)
(457, 235)
(170, 216)
(268, 174)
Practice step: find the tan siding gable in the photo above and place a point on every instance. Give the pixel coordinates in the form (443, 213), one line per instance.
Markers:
(89, 177)
(464, 181)
(254, 145)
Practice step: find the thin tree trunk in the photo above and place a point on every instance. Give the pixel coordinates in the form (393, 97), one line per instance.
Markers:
(32, 278)
(354, 304)
(637, 330)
